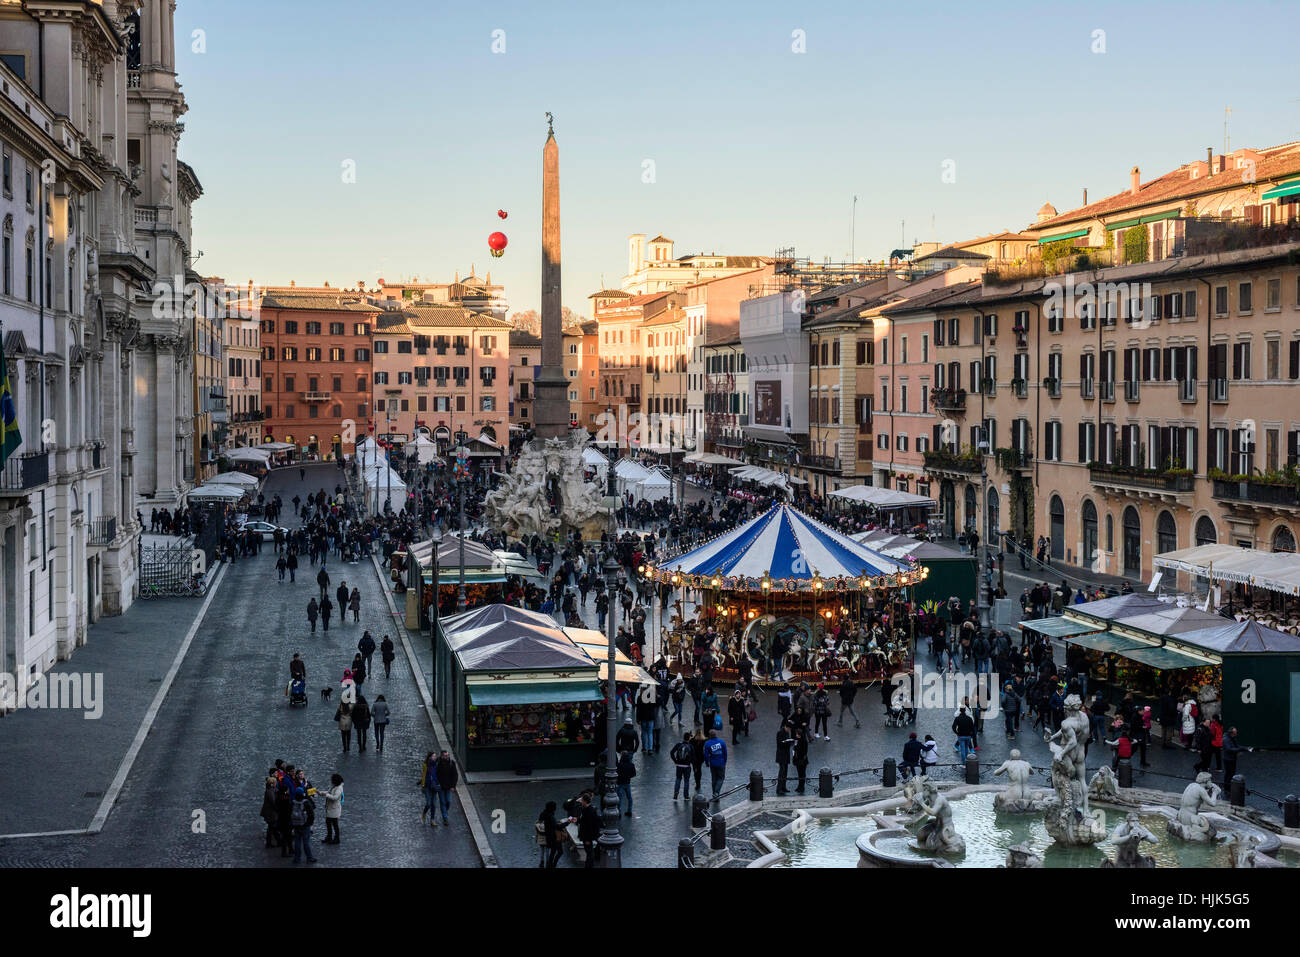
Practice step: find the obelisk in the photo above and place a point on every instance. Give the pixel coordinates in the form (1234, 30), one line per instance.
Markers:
(551, 405)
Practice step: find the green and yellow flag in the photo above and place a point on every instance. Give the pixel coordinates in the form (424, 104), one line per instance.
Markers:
(10, 437)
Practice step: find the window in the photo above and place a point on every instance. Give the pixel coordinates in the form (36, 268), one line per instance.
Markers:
(360, 329)
(1244, 301)
(381, 378)
(31, 292)
(925, 349)
(31, 203)
(361, 355)
(1166, 532)
(381, 347)
(1274, 294)
(8, 174)
(290, 327)
(288, 411)
(313, 353)
(486, 344)
(404, 346)
(487, 403)
(1273, 360)
(289, 354)
(338, 383)
(404, 378)
(336, 328)
(8, 265)
(1220, 301)
(1241, 360)
(313, 328)
(336, 355)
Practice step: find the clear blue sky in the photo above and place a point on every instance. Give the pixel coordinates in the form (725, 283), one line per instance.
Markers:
(755, 147)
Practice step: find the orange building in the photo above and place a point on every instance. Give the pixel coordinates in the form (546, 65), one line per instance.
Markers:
(316, 361)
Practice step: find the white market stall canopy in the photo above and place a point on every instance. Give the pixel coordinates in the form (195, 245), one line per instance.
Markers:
(231, 492)
(591, 457)
(382, 477)
(883, 497)
(762, 476)
(261, 456)
(1273, 571)
(423, 449)
(233, 478)
(653, 488)
(276, 446)
(710, 458)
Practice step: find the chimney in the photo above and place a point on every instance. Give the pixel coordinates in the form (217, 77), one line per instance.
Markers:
(1209, 160)
(1085, 196)
(1134, 180)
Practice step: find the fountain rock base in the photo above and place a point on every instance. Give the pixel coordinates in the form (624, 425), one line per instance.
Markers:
(1069, 825)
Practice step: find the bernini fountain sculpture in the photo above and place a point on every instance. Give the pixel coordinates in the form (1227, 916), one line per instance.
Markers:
(1066, 817)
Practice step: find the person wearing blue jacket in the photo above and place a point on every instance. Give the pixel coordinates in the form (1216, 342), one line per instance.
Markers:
(715, 756)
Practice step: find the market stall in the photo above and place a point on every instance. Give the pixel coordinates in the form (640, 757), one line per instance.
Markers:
(952, 573)
(798, 598)
(485, 577)
(515, 691)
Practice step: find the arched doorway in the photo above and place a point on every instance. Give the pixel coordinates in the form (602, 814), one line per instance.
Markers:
(948, 508)
(1166, 533)
(1205, 531)
(972, 522)
(1089, 556)
(1132, 542)
(1283, 540)
(994, 521)
(1056, 509)
(490, 432)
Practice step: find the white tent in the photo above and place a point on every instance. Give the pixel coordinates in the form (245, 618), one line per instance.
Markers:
(882, 497)
(629, 473)
(762, 476)
(276, 446)
(382, 485)
(1274, 571)
(710, 458)
(653, 488)
(423, 449)
(231, 492)
(260, 456)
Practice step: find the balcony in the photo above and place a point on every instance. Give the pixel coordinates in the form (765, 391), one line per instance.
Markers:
(1187, 390)
(1266, 494)
(730, 441)
(23, 472)
(1153, 481)
(1132, 390)
(949, 400)
(103, 530)
(967, 462)
(1087, 389)
(1020, 387)
(1218, 390)
(315, 396)
(97, 456)
(823, 463)
(1107, 390)
(1052, 385)
(1013, 460)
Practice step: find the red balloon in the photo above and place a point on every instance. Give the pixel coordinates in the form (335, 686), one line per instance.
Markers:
(497, 243)
(501, 213)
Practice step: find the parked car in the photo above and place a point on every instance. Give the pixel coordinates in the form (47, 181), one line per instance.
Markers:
(266, 529)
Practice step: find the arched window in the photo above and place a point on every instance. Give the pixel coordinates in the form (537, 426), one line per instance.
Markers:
(1110, 532)
(1283, 540)
(971, 521)
(1205, 533)
(1089, 533)
(1056, 509)
(1132, 542)
(1166, 533)
(994, 522)
(490, 432)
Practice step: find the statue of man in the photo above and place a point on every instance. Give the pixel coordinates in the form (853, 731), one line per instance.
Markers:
(1127, 838)
(1200, 795)
(1017, 770)
(937, 834)
(1068, 747)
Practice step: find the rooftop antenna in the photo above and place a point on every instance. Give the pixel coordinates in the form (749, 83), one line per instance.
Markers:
(1226, 111)
(853, 231)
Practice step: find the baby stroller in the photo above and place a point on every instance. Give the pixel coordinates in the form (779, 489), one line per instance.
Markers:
(900, 712)
(297, 692)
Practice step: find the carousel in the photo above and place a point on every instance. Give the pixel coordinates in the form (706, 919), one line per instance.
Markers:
(800, 600)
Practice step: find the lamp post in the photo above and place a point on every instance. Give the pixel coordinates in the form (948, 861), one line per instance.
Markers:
(611, 841)
(461, 603)
(981, 594)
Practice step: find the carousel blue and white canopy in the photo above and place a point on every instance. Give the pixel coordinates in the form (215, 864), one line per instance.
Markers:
(788, 547)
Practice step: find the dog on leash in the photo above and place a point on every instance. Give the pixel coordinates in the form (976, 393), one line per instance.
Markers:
(325, 693)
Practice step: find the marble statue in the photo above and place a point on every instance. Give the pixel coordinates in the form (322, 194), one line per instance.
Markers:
(1127, 838)
(1018, 797)
(1104, 784)
(545, 493)
(1246, 854)
(1190, 824)
(1022, 855)
(1066, 816)
(936, 834)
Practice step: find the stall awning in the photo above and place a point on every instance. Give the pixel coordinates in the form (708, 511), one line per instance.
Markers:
(1074, 234)
(451, 576)
(1164, 658)
(545, 692)
(1058, 626)
(1106, 642)
(1290, 188)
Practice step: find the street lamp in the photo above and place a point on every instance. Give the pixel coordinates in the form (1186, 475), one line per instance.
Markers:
(461, 603)
(611, 841)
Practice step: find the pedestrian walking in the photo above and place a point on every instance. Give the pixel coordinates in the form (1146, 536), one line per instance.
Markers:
(697, 756)
(358, 669)
(429, 785)
(625, 771)
(323, 580)
(784, 740)
(313, 610)
(361, 721)
(1231, 750)
(386, 652)
(366, 646)
(354, 603)
(333, 809)
(848, 691)
(681, 755)
(343, 715)
(448, 778)
(963, 726)
(281, 565)
(380, 715)
(715, 755)
(821, 712)
(549, 832)
(737, 711)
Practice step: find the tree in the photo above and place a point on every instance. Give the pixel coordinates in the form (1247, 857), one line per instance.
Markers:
(527, 321)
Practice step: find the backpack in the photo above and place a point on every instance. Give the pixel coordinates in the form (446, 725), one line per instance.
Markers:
(681, 753)
(298, 816)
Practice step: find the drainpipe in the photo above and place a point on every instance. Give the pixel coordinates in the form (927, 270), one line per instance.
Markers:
(1038, 354)
(1209, 386)
(40, 298)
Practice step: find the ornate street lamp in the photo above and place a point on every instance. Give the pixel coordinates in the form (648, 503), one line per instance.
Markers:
(461, 603)
(611, 841)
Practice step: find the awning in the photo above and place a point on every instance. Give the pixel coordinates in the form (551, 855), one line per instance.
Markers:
(1143, 220)
(451, 577)
(1058, 626)
(1290, 188)
(522, 692)
(1075, 234)
(1108, 643)
(1164, 658)
(628, 674)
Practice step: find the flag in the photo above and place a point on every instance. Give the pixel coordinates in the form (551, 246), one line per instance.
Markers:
(10, 437)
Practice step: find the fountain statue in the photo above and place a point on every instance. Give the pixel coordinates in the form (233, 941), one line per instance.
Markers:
(1127, 838)
(937, 834)
(1017, 798)
(545, 493)
(1245, 853)
(1191, 824)
(1022, 855)
(1104, 784)
(1066, 815)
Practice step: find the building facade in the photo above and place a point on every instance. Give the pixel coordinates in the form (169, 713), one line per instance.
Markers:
(243, 357)
(651, 267)
(525, 361)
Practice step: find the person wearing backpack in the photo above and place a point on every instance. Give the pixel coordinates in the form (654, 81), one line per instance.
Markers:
(343, 715)
(1010, 705)
(682, 754)
(715, 756)
(677, 689)
(821, 704)
(626, 771)
(983, 655)
(301, 817)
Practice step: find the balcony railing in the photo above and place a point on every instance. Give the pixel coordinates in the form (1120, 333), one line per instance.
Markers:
(1141, 478)
(103, 530)
(1132, 389)
(1218, 390)
(944, 460)
(316, 396)
(951, 399)
(1020, 387)
(824, 462)
(26, 471)
(1087, 388)
(1259, 493)
(1011, 460)
(1187, 390)
(1107, 390)
(97, 455)
(1053, 386)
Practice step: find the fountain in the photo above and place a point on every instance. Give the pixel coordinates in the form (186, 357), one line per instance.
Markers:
(1018, 798)
(1127, 838)
(1066, 815)
(545, 493)
(1191, 824)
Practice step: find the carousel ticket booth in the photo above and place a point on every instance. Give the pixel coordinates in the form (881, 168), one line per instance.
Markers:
(801, 600)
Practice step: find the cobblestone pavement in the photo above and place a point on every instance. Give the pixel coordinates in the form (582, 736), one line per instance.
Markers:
(225, 722)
